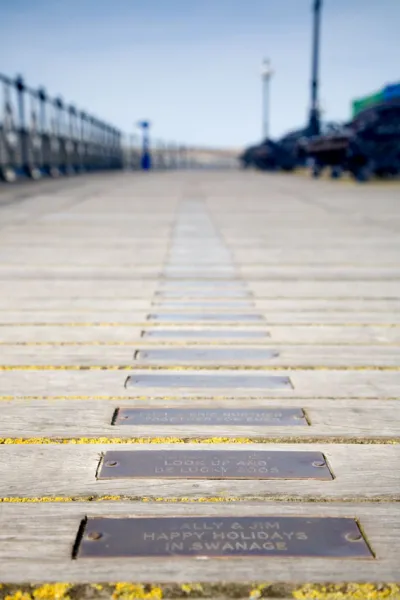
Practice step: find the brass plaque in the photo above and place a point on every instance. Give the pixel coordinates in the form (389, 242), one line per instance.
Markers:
(205, 316)
(258, 417)
(213, 464)
(213, 304)
(215, 355)
(205, 334)
(209, 380)
(203, 293)
(276, 536)
(203, 272)
(182, 283)
(200, 270)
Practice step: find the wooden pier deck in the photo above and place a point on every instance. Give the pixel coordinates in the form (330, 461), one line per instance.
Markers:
(251, 319)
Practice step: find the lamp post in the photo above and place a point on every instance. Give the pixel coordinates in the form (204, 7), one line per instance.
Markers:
(266, 74)
(314, 118)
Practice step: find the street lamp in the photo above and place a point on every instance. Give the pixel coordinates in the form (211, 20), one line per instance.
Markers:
(314, 124)
(266, 74)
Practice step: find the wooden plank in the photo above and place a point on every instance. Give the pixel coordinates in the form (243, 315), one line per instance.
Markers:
(328, 418)
(306, 384)
(79, 333)
(89, 304)
(279, 334)
(66, 286)
(201, 355)
(325, 272)
(66, 470)
(99, 303)
(280, 273)
(335, 288)
(281, 305)
(334, 334)
(125, 319)
(328, 356)
(268, 306)
(38, 540)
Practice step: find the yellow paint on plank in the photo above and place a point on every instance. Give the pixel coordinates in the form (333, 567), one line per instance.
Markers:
(184, 499)
(197, 440)
(351, 591)
(139, 591)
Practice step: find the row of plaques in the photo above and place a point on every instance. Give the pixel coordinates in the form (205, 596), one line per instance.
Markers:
(202, 537)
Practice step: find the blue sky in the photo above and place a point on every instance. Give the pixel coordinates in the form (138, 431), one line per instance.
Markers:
(193, 66)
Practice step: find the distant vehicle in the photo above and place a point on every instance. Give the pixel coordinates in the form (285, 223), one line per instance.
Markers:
(283, 155)
(367, 146)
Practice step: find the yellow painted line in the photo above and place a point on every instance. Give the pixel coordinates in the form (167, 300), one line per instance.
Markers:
(74, 324)
(156, 591)
(348, 591)
(179, 499)
(115, 498)
(135, 366)
(131, 440)
(196, 440)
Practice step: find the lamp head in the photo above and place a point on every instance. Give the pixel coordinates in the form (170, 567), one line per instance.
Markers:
(266, 69)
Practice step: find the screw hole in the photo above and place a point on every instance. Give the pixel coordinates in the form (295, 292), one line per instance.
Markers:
(353, 537)
(94, 536)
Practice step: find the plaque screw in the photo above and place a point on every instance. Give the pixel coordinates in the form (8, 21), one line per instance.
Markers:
(353, 537)
(111, 463)
(94, 536)
(318, 463)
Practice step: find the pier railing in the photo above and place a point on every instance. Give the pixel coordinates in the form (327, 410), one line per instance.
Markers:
(41, 135)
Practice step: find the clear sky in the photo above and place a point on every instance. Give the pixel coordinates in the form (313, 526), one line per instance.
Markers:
(193, 66)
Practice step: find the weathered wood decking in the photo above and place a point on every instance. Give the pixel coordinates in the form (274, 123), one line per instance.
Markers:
(198, 290)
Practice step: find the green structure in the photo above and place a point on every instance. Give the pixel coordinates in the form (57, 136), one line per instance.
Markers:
(386, 94)
(362, 103)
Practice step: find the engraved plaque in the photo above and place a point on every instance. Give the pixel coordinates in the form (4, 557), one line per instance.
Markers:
(204, 316)
(182, 283)
(320, 537)
(209, 380)
(202, 272)
(257, 417)
(214, 355)
(203, 380)
(203, 305)
(200, 293)
(205, 334)
(215, 464)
